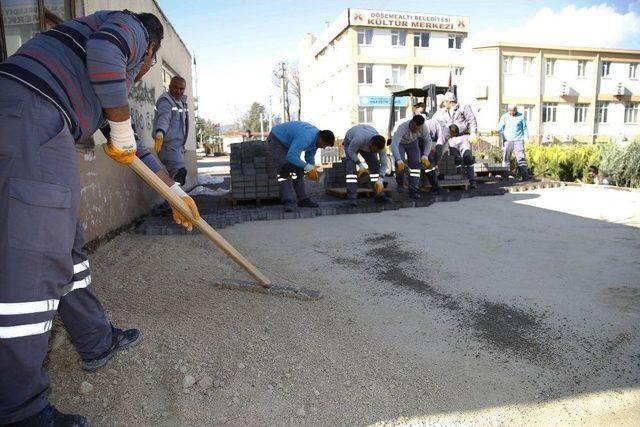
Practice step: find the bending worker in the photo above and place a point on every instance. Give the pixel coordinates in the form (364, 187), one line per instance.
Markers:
(364, 141)
(287, 142)
(439, 135)
(460, 149)
(405, 142)
(513, 127)
(171, 128)
(58, 88)
(459, 115)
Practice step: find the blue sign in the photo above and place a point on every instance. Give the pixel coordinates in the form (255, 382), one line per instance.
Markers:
(382, 101)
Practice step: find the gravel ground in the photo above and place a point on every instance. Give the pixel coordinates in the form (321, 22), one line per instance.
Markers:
(493, 311)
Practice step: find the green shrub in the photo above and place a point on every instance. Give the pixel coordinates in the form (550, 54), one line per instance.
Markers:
(622, 164)
(563, 162)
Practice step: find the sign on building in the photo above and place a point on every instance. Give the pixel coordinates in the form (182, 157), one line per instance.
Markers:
(381, 101)
(408, 20)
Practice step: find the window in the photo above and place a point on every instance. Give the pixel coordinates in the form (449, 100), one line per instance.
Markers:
(526, 65)
(397, 74)
(167, 74)
(401, 113)
(507, 64)
(455, 41)
(549, 112)
(457, 71)
(417, 69)
(550, 67)
(364, 36)
(631, 113)
(398, 38)
(365, 74)
(580, 113)
(633, 71)
(582, 68)
(527, 110)
(24, 19)
(602, 112)
(421, 39)
(605, 69)
(365, 114)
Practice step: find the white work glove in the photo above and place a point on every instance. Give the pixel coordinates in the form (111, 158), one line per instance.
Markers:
(363, 168)
(177, 216)
(379, 185)
(312, 172)
(121, 146)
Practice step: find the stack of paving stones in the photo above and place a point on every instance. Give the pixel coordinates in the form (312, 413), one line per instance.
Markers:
(447, 165)
(336, 176)
(253, 172)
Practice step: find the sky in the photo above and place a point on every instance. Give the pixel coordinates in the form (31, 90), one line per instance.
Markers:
(237, 43)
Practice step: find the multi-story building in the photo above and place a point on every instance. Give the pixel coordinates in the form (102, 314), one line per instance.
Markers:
(347, 72)
(112, 196)
(568, 94)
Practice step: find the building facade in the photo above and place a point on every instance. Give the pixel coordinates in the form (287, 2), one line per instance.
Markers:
(112, 195)
(347, 72)
(568, 94)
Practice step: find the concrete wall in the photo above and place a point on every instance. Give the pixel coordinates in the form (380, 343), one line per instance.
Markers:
(112, 195)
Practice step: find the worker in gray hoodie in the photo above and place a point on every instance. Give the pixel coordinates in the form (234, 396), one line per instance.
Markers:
(364, 141)
(439, 136)
(405, 142)
(460, 149)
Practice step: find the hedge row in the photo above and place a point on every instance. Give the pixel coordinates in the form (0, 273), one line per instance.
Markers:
(570, 162)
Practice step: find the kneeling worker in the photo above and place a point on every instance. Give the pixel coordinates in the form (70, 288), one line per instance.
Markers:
(405, 140)
(287, 141)
(365, 141)
(460, 149)
(171, 128)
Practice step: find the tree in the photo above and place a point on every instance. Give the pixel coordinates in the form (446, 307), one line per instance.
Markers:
(206, 128)
(290, 77)
(251, 119)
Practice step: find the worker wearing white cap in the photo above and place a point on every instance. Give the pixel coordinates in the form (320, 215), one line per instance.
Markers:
(513, 127)
(459, 115)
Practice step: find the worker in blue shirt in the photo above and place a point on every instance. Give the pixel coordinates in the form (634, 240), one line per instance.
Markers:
(513, 127)
(287, 143)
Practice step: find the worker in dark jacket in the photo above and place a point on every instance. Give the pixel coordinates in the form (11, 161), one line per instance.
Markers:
(57, 89)
(171, 128)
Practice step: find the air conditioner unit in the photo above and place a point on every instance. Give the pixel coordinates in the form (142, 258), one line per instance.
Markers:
(565, 90)
(620, 89)
(568, 138)
(548, 137)
(387, 81)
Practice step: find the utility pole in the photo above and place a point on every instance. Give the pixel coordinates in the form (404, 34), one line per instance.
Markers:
(284, 89)
(262, 126)
(270, 112)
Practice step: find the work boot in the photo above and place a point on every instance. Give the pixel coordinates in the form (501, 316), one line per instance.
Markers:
(181, 176)
(353, 203)
(51, 417)
(121, 340)
(289, 207)
(524, 172)
(307, 203)
(383, 200)
(414, 195)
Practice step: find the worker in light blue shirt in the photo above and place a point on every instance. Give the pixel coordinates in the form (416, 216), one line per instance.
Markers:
(513, 127)
(287, 143)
